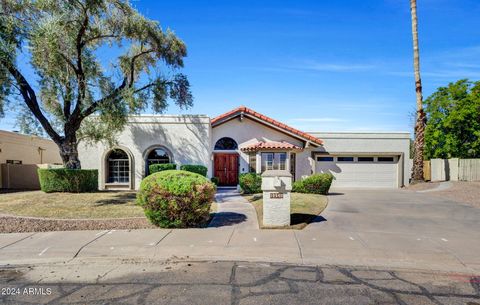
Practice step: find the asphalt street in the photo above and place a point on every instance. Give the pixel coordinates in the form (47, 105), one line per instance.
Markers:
(182, 282)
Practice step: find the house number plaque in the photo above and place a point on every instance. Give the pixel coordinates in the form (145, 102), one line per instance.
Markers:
(276, 195)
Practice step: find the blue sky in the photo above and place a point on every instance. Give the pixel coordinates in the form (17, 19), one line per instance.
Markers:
(319, 65)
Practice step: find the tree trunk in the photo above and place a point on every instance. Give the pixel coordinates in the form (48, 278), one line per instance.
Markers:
(421, 121)
(69, 153)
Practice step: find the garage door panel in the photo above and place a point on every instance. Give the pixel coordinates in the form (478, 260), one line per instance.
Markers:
(361, 174)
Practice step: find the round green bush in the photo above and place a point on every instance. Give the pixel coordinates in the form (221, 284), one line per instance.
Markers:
(176, 198)
(251, 183)
(199, 169)
(154, 168)
(314, 184)
(68, 180)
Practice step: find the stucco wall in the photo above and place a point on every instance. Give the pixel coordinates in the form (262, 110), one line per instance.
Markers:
(248, 131)
(371, 143)
(187, 138)
(28, 149)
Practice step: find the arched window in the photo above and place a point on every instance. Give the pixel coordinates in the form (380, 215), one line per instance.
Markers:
(118, 167)
(158, 156)
(226, 144)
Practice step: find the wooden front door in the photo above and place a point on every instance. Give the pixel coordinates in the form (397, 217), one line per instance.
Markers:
(226, 168)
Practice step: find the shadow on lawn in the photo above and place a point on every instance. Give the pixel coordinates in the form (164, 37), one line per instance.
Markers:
(118, 198)
(299, 218)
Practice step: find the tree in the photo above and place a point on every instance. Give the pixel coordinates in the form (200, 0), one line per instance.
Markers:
(421, 118)
(453, 129)
(94, 63)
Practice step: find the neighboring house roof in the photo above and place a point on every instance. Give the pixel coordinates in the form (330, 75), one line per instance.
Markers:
(244, 111)
(271, 145)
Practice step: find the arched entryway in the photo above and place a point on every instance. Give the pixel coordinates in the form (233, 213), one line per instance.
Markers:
(226, 162)
(118, 167)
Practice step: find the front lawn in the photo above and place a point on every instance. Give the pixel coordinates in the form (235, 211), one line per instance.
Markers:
(103, 204)
(303, 210)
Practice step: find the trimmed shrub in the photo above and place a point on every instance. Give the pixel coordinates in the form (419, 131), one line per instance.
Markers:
(250, 183)
(199, 169)
(68, 180)
(314, 184)
(297, 187)
(154, 168)
(215, 180)
(176, 199)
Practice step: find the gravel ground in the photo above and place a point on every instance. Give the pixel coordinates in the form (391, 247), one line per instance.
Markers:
(463, 192)
(10, 224)
(422, 186)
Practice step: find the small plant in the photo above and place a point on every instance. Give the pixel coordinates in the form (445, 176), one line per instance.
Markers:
(68, 180)
(176, 199)
(250, 183)
(155, 168)
(314, 184)
(215, 180)
(199, 169)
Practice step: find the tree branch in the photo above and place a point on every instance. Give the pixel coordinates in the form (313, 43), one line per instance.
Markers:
(86, 41)
(132, 64)
(94, 106)
(30, 100)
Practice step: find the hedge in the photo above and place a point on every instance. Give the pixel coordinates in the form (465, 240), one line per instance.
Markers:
(154, 168)
(251, 183)
(314, 184)
(68, 180)
(176, 199)
(199, 169)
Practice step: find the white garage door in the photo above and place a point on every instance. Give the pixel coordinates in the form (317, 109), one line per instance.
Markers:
(360, 171)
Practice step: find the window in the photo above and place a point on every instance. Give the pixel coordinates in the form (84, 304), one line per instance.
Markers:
(292, 164)
(345, 159)
(283, 161)
(325, 159)
(365, 159)
(267, 161)
(252, 163)
(14, 161)
(158, 156)
(274, 161)
(226, 144)
(385, 159)
(118, 167)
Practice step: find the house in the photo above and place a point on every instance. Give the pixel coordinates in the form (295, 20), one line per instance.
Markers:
(21, 155)
(243, 140)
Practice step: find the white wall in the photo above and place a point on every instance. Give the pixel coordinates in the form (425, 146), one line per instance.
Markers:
(186, 137)
(370, 143)
(246, 132)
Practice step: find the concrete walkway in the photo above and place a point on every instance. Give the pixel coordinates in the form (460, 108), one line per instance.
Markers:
(380, 229)
(233, 210)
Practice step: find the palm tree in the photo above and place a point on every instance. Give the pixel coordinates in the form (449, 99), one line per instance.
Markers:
(421, 118)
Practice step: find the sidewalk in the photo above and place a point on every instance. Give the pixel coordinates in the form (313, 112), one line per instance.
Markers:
(300, 247)
(330, 242)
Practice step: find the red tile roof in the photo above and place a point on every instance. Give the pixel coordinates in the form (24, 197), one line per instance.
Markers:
(244, 110)
(271, 145)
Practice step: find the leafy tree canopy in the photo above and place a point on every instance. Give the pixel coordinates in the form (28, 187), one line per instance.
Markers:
(94, 63)
(453, 128)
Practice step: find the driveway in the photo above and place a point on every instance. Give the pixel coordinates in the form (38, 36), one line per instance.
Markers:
(398, 224)
(398, 211)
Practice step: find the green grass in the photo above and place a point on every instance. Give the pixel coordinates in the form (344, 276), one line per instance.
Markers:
(304, 208)
(98, 205)
(102, 204)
